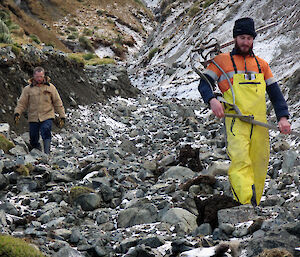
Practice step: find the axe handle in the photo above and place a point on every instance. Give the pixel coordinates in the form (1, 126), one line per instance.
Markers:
(249, 119)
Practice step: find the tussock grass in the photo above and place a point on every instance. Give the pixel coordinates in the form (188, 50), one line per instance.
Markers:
(90, 59)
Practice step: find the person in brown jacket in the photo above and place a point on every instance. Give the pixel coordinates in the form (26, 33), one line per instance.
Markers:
(41, 99)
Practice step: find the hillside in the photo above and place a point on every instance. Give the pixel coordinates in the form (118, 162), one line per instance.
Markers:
(72, 25)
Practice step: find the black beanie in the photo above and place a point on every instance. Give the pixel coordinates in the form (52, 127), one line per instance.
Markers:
(244, 26)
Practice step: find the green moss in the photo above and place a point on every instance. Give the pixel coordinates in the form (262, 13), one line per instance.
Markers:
(194, 10)
(5, 38)
(166, 40)
(152, 53)
(90, 59)
(87, 32)
(16, 48)
(72, 29)
(5, 144)
(16, 247)
(3, 28)
(88, 56)
(101, 61)
(35, 38)
(86, 43)
(79, 190)
(50, 44)
(208, 3)
(72, 36)
(77, 58)
(23, 170)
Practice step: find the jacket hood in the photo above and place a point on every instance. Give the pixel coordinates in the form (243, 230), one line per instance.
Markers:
(32, 82)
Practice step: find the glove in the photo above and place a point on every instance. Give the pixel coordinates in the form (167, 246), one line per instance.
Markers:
(16, 118)
(61, 122)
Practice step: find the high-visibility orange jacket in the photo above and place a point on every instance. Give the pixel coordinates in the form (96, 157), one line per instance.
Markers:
(247, 64)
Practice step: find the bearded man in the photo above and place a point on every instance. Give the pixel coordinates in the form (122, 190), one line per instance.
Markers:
(247, 144)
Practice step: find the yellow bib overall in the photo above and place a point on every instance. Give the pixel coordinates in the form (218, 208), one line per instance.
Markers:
(247, 144)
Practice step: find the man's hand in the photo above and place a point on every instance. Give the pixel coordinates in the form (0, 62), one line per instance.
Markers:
(284, 126)
(61, 122)
(217, 107)
(16, 118)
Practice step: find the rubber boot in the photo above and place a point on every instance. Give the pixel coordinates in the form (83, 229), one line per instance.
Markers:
(47, 144)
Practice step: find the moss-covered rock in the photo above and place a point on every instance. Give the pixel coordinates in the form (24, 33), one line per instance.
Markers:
(16, 247)
(25, 170)
(75, 192)
(5, 144)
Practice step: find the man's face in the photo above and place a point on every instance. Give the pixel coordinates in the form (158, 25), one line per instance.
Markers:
(39, 77)
(244, 43)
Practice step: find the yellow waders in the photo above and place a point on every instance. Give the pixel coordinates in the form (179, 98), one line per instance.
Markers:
(247, 144)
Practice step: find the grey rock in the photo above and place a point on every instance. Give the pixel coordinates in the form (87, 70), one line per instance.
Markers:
(147, 213)
(129, 147)
(227, 228)
(3, 181)
(67, 251)
(178, 172)
(167, 160)
(75, 236)
(102, 217)
(9, 208)
(142, 250)
(272, 200)
(218, 168)
(18, 150)
(26, 185)
(203, 230)
(62, 232)
(183, 220)
(237, 214)
(258, 234)
(100, 251)
(152, 241)
(240, 231)
(88, 202)
(3, 222)
(289, 160)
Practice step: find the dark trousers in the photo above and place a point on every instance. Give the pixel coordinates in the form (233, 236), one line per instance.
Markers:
(35, 128)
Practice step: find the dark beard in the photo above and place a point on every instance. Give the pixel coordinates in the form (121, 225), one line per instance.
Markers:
(239, 51)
